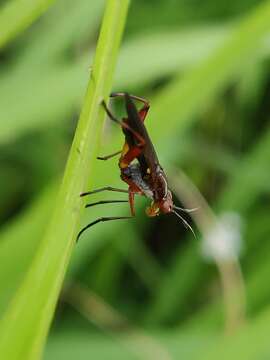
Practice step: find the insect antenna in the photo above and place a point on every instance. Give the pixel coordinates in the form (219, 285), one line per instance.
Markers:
(186, 224)
(184, 209)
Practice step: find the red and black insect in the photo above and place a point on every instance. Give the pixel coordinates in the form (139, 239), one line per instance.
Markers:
(139, 166)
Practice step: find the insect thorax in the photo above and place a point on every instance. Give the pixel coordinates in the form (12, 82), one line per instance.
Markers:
(133, 171)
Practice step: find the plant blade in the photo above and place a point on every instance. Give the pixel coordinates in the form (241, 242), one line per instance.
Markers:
(25, 324)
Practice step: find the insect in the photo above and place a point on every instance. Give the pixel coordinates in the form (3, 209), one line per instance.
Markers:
(139, 166)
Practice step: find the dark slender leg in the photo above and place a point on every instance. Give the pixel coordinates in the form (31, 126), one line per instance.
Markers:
(106, 188)
(105, 202)
(134, 97)
(109, 156)
(102, 219)
(143, 111)
(110, 114)
(124, 125)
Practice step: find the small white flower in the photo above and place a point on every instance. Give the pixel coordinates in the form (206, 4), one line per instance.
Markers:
(223, 241)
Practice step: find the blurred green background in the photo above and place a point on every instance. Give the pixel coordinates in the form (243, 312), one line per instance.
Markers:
(147, 288)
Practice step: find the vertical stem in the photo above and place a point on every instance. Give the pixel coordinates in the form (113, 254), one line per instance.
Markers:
(26, 322)
(231, 278)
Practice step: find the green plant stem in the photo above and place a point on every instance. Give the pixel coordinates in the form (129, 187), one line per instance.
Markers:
(25, 324)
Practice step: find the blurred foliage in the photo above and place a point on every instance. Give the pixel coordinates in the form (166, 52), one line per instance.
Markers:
(204, 66)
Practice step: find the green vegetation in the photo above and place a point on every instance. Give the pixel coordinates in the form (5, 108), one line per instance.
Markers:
(137, 289)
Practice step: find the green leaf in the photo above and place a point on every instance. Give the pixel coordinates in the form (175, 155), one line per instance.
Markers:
(18, 247)
(17, 15)
(25, 325)
(190, 93)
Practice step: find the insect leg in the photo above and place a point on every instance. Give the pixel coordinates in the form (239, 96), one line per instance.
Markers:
(105, 202)
(102, 219)
(134, 97)
(143, 111)
(131, 203)
(124, 125)
(132, 190)
(106, 188)
(109, 156)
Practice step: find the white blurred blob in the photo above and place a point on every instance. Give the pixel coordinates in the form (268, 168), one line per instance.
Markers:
(223, 241)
